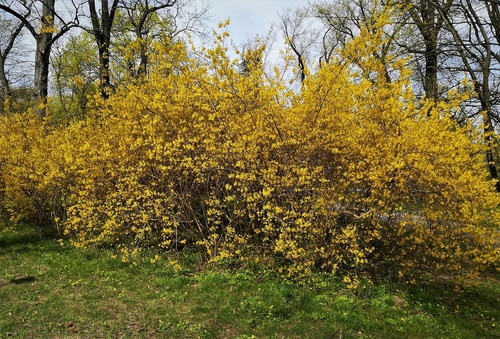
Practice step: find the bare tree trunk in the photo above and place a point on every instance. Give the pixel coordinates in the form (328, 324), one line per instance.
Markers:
(105, 78)
(101, 29)
(5, 92)
(42, 57)
(429, 23)
(431, 69)
(42, 63)
(143, 66)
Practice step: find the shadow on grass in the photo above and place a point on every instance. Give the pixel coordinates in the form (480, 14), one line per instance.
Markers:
(23, 280)
(23, 237)
(477, 303)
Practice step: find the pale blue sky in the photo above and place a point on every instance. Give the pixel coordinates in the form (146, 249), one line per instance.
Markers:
(249, 17)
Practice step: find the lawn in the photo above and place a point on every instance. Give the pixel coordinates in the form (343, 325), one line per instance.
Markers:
(48, 289)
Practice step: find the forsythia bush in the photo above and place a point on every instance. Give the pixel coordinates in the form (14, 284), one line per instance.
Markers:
(352, 175)
(33, 180)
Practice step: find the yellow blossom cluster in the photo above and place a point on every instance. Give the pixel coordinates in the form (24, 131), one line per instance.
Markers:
(353, 174)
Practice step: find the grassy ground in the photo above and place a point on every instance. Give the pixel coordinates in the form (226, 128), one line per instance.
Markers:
(49, 290)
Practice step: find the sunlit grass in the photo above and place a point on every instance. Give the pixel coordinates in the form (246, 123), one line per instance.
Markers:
(49, 290)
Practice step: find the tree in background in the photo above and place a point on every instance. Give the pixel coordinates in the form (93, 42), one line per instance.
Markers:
(299, 36)
(102, 24)
(317, 33)
(46, 25)
(75, 74)
(9, 33)
(416, 31)
(476, 41)
(339, 21)
(428, 19)
(142, 23)
(144, 20)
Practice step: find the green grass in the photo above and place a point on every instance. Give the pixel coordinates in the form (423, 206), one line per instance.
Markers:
(49, 290)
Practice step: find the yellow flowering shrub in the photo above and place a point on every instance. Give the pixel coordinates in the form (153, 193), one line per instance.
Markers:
(33, 179)
(351, 175)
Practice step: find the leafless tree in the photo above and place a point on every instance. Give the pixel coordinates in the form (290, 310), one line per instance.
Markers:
(9, 32)
(300, 35)
(474, 27)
